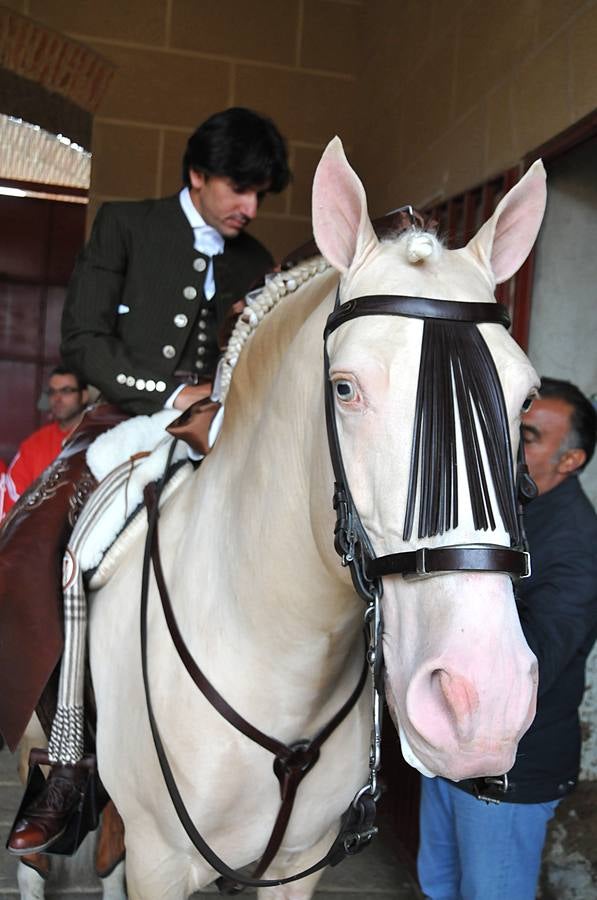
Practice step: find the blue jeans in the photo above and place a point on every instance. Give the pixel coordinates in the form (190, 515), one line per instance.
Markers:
(473, 850)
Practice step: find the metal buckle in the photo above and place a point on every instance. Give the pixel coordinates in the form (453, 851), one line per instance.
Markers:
(420, 561)
(527, 559)
(500, 782)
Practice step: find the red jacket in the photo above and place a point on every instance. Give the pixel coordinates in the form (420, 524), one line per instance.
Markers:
(33, 456)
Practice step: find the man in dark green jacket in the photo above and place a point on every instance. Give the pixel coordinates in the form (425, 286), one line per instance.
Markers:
(158, 277)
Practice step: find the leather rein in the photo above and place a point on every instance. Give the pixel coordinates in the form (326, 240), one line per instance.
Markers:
(291, 761)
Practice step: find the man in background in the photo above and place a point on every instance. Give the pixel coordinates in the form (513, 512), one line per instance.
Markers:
(482, 839)
(67, 398)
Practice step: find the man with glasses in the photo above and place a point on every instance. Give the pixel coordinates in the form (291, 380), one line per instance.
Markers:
(67, 397)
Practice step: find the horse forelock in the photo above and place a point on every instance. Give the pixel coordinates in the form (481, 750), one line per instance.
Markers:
(416, 246)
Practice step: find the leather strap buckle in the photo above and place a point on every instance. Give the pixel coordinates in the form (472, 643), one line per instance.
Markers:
(421, 562)
(528, 571)
(498, 783)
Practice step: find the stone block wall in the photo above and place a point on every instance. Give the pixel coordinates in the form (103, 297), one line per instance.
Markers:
(178, 61)
(452, 93)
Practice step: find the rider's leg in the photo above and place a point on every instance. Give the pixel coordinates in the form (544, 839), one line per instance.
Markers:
(48, 816)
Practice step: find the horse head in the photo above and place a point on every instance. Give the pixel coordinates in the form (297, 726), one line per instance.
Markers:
(427, 418)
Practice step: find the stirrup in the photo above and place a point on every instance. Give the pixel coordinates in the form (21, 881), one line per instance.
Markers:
(84, 817)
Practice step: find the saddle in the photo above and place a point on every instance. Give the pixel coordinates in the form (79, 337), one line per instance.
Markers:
(35, 535)
(33, 538)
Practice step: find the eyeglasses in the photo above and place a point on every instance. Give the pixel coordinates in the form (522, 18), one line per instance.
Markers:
(64, 391)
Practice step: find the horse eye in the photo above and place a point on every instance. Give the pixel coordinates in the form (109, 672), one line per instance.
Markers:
(345, 390)
(528, 403)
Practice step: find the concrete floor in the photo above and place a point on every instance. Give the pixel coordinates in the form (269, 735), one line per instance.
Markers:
(375, 874)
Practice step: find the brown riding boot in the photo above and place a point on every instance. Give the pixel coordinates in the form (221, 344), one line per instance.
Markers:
(110, 846)
(46, 818)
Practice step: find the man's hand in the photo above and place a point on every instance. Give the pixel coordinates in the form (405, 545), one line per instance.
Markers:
(190, 394)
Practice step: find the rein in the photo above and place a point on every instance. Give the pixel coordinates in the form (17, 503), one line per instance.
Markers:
(291, 761)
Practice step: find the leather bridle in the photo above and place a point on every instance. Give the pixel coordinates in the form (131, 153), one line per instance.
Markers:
(351, 539)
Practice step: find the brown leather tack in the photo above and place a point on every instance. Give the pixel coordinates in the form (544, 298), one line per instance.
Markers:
(33, 538)
(192, 426)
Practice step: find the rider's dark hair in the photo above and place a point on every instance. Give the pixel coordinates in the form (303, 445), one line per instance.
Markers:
(583, 418)
(241, 145)
(64, 370)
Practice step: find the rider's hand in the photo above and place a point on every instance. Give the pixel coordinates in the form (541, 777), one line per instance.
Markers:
(190, 394)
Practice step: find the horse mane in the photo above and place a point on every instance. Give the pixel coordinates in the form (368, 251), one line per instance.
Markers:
(258, 304)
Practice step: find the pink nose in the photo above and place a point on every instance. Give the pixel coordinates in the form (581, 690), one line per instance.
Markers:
(451, 713)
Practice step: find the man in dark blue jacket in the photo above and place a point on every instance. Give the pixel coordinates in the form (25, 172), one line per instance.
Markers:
(490, 850)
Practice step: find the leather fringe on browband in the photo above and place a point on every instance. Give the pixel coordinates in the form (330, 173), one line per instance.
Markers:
(457, 373)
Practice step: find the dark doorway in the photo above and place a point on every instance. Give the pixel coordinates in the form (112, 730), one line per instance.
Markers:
(40, 241)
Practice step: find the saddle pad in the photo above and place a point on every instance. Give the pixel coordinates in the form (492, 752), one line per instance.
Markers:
(135, 435)
(132, 529)
(114, 460)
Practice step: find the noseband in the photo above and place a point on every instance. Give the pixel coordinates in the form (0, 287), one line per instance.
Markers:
(438, 515)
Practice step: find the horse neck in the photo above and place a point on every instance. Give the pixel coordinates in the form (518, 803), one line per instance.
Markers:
(264, 494)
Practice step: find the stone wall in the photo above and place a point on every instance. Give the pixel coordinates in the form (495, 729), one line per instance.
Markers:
(178, 61)
(451, 93)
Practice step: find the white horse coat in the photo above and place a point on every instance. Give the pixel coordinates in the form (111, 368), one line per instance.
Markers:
(260, 596)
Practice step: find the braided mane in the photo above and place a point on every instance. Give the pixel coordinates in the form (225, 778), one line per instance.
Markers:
(259, 303)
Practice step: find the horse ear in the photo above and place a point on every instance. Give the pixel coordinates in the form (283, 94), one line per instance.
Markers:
(505, 240)
(341, 225)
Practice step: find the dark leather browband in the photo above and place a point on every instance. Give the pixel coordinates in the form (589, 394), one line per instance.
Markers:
(458, 558)
(416, 308)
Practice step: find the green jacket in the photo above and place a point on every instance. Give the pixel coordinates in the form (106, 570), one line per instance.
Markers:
(135, 300)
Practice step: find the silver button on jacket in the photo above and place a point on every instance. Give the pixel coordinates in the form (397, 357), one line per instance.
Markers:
(189, 293)
(180, 320)
(199, 264)
(168, 351)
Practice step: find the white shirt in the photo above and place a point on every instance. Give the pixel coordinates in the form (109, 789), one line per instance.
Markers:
(207, 239)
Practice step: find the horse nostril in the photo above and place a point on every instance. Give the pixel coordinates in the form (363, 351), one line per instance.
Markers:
(460, 699)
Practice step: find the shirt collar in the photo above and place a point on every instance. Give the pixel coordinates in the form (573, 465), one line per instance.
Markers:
(190, 210)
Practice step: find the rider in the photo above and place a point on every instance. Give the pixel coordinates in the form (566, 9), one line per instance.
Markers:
(147, 300)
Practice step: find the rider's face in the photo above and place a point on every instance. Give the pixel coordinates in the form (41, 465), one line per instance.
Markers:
(222, 204)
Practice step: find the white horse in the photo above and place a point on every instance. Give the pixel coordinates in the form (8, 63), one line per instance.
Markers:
(264, 605)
